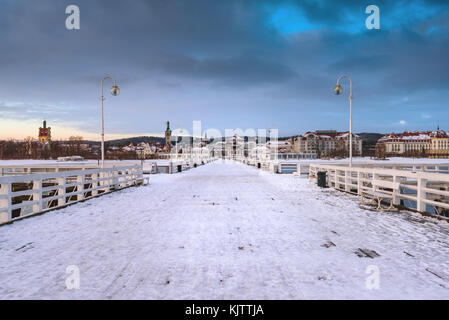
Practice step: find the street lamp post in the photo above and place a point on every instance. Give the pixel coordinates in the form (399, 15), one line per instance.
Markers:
(176, 144)
(142, 153)
(338, 89)
(115, 91)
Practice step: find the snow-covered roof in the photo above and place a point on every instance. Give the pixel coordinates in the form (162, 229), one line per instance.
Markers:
(439, 134)
(413, 136)
(327, 135)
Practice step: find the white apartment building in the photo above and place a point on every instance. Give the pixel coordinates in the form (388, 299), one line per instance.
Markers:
(324, 142)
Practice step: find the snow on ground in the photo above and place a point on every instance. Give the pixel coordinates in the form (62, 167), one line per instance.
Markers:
(224, 231)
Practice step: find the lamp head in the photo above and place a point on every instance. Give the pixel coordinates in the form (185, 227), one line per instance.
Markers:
(338, 89)
(115, 90)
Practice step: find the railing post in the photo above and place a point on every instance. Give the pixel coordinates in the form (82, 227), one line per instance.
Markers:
(37, 196)
(359, 182)
(115, 178)
(126, 178)
(124, 175)
(421, 195)
(348, 177)
(335, 179)
(61, 191)
(80, 187)
(94, 178)
(5, 202)
(396, 199)
(135, 175)
(375, 177)
(104, 183)
(110, 179)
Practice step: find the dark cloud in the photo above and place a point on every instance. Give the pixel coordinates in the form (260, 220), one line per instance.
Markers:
(187, 60)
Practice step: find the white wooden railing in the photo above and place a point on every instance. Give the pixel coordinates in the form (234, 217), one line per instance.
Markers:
(414, 167)
(302, 166)
(30, 194)
(424, 188)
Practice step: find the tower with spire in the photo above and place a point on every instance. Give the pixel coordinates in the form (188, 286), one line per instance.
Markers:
(168, 137)
(204, 140)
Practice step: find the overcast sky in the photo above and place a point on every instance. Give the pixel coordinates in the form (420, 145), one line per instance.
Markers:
(231, 64)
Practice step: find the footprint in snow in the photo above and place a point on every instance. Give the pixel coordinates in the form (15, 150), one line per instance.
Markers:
(366, 253)
(328, 244)
(25, 247)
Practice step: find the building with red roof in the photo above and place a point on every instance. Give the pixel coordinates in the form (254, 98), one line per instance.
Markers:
(433, 144)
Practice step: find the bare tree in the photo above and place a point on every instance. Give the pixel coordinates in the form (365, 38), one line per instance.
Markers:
(381, 151)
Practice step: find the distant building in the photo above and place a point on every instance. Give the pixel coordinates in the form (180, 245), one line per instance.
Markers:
(217, 149)
(327, 143)
(234, 147)
(433, 144)
(44, 135)
(279, 146)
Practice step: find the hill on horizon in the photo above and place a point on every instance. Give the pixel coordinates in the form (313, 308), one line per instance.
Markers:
(369, 137)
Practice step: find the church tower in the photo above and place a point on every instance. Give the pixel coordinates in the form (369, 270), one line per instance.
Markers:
(44, 135)
(168, 137)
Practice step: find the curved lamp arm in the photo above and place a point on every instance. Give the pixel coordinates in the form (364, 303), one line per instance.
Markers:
(350, 84)
(107, 77)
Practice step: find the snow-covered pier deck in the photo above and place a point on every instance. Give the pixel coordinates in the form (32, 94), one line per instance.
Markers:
(225, 231)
